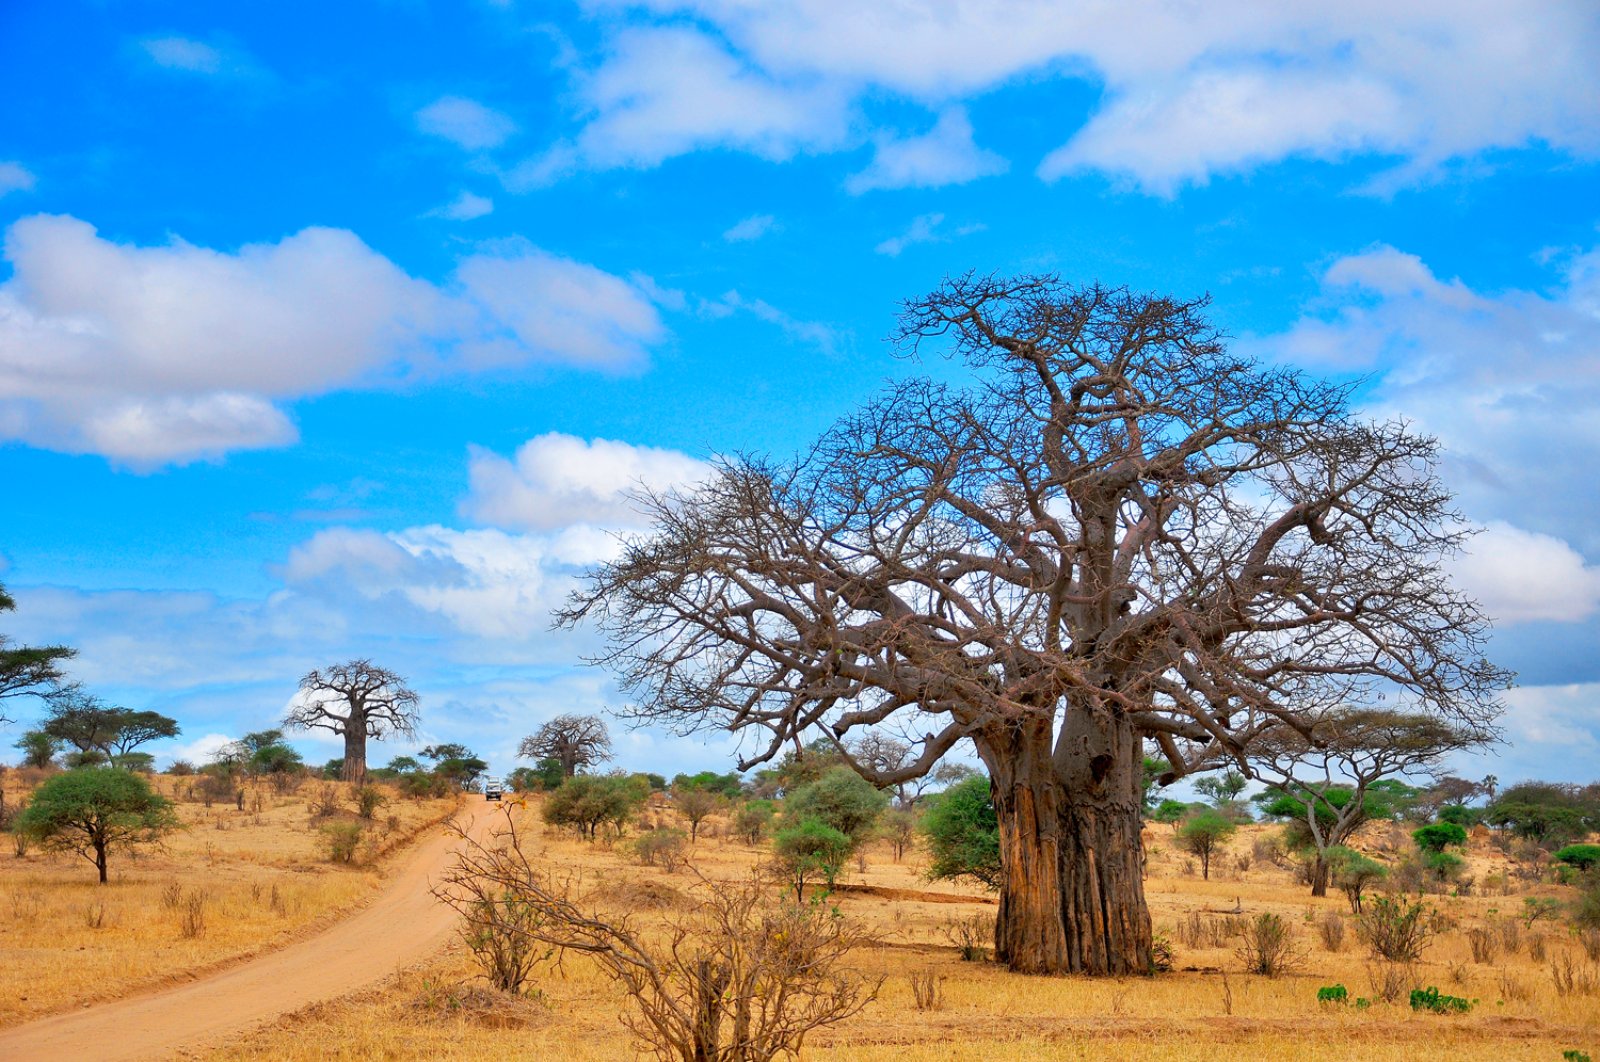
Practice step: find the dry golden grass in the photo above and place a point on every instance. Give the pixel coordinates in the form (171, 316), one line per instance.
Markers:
(260, 873)
(986, 1013)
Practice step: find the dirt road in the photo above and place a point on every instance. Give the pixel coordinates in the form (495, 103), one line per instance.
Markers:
(402, 925)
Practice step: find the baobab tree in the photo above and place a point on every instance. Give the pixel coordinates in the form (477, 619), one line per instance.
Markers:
(1327, 769)
(357, 700)
(1117, 532)
(573, 741)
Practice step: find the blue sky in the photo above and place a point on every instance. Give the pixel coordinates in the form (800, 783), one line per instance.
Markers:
(338, 330)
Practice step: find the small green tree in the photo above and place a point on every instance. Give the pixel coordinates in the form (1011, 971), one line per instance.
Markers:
(587, 802)
(1172, 812)
(809, 850)
(1222, 789)
(1203, 834)
(1582, 856)
(1438, 836)
(842, 799)
(38, 748)
(696, 805)
(90, 811)
(753, 820)
(963, 833)
(1354, 873)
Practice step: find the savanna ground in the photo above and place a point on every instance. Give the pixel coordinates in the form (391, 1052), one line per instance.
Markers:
(52, 958)
(235, 881)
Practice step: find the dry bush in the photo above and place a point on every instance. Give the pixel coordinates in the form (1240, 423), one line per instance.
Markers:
(971, 935)
(325, 804)
(662, 847)
(741, 977)
(19, 844)
(94, 915)
(927, 990)
(192, 915)
(1511, 936)
(1572, 978)
(171, 895)
(1536, 947)
(1390, 981)
(640, 896)
(1485, 944)
(1331, 929)
(1589, 939)
(342, 839)
(443, 1000)
(1267, 946)
(1398, 930)
(369, 798)
(1511, 988)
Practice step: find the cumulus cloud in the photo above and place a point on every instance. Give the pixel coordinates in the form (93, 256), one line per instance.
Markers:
(171, 353)
(664, 91)
(466, 123)
(1519, 576)
(1508, 381)
(14, 177)
(944, 155)
(556, 309)
(557, 480)
(1187, 91)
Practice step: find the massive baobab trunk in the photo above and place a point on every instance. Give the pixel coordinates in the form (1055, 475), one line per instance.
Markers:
(1072, 899)
(355, 755)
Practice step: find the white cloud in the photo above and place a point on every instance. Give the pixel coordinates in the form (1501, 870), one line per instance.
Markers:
(182, 53)
(661, 92)
(1520, 576)
(464, 207)
(189, 56)
(14, 177)
(824, 337)
(155, 354)
(944, 155)
(1188, 90)
(557, 480)
(556, 309)
(751, 228)
(198, 751)
(923, 229)
(465, 123)
(1508, 381)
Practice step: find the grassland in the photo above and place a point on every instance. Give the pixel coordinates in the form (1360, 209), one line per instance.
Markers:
(1206, 1007)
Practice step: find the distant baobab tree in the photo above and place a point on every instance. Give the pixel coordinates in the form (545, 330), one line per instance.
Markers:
(573, 741)
(1116, 532)
(357, 700)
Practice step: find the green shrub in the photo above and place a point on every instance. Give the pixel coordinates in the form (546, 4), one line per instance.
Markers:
(1333, 994)
(1582, 856)
(753, 819)
(1431, 999)
(1354, 873)
(842, 799)
(963, 833)
(809, 850)
(342, 840)
(1203, 834)
(661, 848)
(1438, 836)
(1442, 866)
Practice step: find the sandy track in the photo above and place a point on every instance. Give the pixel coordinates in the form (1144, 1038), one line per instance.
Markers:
(402, 924)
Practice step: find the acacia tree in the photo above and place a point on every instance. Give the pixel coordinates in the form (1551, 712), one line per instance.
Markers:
(573, 741)
(103, 732)
(1331, 770)
(357, 700)
(1119, 531)
(27, 669)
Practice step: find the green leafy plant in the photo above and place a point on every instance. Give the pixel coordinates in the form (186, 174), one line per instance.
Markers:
(1432, 999)
(1438, 836)
(1582, 856)
(1333, 994)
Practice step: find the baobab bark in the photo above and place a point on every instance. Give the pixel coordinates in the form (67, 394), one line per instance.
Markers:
(355, 753)
(100, 858)
(1319, 876)
(1072, 898)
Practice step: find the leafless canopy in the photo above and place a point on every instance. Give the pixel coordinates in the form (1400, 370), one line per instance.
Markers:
(358, 700)
(574, 741)
(1120, 510)
(1118, 533)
